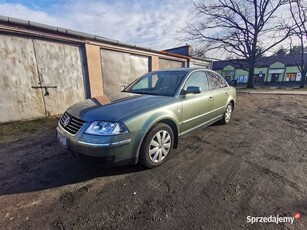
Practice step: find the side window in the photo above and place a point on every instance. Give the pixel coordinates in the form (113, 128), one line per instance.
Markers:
(153, 81)
(216, 81)
(198, 79)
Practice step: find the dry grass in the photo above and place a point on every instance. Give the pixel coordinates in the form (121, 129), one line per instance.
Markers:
(17, 130)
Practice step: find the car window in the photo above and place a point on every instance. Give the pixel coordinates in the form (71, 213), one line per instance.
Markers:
(154, 80)
(149, 82)
(198, 79)
(164, 83)
(216, 81)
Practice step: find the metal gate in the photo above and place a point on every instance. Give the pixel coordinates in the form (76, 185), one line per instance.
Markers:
(119, 69)
(60, 74)
(38, 78)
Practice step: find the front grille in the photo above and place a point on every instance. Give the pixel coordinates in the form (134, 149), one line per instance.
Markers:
(105, 160)
(70, 123)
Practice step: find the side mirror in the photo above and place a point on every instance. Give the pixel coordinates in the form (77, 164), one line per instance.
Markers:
(193, 90)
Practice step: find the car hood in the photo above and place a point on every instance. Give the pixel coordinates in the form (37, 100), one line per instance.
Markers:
(114, 107)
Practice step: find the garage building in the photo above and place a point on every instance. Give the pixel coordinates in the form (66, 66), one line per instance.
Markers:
(45, 69)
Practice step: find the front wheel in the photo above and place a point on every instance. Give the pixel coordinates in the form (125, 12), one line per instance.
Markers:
(157, 145)
(227, 114)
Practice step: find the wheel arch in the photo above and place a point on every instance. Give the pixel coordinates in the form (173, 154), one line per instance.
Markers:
(166, 120)
(232, 103)
(174, 127)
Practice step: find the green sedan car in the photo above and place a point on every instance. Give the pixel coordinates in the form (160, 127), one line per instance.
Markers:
(143, 123)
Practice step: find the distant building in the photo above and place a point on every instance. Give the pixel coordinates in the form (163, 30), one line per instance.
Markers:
(194, 62)
(274, 70)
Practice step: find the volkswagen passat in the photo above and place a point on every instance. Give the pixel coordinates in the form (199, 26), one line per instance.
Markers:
(144, 121)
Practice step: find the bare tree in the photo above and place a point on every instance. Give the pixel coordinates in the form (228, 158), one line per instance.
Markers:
(198, 52)
(281, 51)
(298, 9)
(296, 49)
(246, 28)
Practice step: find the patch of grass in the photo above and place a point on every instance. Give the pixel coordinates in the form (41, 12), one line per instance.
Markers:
(12, 131)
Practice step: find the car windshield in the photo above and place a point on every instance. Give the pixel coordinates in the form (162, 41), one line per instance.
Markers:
(163, 83)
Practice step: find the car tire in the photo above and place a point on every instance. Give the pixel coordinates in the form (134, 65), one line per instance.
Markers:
(157, 145)
(227, 114)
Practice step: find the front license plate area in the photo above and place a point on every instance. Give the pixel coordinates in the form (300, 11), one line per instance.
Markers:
(62, 140)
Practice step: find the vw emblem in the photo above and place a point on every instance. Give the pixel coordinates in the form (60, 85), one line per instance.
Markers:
(66, 121)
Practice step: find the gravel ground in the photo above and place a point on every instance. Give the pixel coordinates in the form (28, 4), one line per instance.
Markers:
(254, 166)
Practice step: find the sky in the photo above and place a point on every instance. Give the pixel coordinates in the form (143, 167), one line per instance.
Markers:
(153, 24)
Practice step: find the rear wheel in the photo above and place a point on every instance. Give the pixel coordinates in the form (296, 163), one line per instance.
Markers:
(157, 145)
(227, 114)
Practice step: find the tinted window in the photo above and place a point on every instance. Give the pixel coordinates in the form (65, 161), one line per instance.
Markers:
(216, 81)
(198, 79)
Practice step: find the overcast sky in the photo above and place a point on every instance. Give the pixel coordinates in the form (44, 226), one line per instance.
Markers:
(152, 23)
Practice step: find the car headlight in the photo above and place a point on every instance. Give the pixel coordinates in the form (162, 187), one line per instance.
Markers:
(106, 128)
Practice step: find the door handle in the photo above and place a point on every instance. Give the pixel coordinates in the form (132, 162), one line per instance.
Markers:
(210, 98)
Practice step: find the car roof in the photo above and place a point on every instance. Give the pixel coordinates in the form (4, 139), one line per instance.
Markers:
(180, 69)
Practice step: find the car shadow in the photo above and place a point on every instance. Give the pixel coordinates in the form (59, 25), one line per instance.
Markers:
(34, 170)
(39, 163)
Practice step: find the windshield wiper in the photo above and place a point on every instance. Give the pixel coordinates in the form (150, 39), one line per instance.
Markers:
(144, 92)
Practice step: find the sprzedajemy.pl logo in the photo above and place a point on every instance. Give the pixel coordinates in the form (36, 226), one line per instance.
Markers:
(273, 219)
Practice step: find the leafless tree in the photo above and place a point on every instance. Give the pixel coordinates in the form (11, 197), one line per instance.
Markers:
(198, 52)
(246, 28)
(281, 51)
(296, 49)
(298, 9)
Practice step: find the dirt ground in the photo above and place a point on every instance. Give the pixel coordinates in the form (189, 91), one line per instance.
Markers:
(254, 166)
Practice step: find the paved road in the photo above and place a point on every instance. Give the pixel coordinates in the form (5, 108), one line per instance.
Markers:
(273, 91)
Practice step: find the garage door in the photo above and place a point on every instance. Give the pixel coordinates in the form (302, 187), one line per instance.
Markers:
(119, 69)
(38, 78)
(169, 64)
(60, 65)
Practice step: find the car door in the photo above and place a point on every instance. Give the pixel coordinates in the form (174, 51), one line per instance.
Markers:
(220, 93)
(196, 108)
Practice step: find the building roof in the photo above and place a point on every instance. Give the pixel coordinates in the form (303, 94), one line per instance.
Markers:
(236, 63)
(265, 62)
(66, 32)
(182, 50)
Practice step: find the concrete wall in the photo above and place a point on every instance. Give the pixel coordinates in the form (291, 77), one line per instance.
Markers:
(26, 63)
(154, 63)
(94, 69)
(199, 64)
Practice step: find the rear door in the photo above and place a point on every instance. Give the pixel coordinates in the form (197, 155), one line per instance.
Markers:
(197, 108)
(220, 93)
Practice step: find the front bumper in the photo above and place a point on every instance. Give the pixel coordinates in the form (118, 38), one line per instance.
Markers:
(107, 150)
